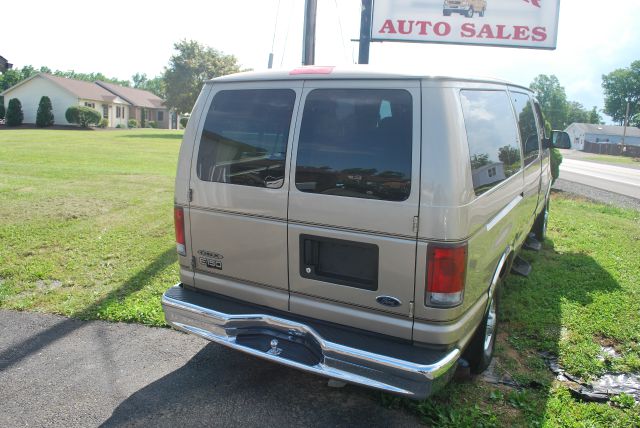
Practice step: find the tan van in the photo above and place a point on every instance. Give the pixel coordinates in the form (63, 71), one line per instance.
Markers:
(356, 223)
(464, 7)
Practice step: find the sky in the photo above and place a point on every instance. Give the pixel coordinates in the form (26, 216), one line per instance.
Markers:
(120, 38)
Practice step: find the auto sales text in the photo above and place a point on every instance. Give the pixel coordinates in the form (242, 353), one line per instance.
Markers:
(467, 30)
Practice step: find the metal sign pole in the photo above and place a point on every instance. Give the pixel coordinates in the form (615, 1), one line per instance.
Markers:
(309, 42)
(365, 31)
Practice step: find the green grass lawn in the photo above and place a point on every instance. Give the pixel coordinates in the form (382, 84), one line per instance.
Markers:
(86, 231)
(614, 160)
(86, 222)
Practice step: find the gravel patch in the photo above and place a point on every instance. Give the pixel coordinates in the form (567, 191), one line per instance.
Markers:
(597, 195)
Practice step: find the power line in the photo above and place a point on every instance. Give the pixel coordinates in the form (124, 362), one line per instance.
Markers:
(286, 37)
(273, 41)
(344, 48)
(275, 27)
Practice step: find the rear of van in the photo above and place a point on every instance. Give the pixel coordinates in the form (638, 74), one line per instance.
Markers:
(305, 235)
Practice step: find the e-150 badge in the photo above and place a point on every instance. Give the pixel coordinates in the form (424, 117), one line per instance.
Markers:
(210, 259)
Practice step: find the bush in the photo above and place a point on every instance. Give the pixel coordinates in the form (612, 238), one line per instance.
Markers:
(83, 116)
(2, 110)
(118, 126)
(184, 121)
(104, 122)
(132, 123)
(152, 124)
(556, 160)
(44, 117)
(14, 113)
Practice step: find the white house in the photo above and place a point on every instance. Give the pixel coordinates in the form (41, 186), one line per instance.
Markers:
(115, 103)
(605, 134)
(488, 174)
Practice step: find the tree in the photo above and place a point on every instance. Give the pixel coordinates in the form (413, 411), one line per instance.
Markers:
(634, 121)
(622, 86)
(190, 68)
(552, 98)
(509, 155)
(155, 85)
(14, 113)
(9, 78)
(2, 110)
(44, 117)
(83, 116)
(576, 113)
(594, 116)
(479, 160)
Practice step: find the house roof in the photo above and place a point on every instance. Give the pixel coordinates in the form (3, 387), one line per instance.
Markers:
(81, 88)
(136, 97)
(100, 91)
(590, 128)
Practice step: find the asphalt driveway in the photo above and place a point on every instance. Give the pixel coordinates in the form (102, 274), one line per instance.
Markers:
(56, 371)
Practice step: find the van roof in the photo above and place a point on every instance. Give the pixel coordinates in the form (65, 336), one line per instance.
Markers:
(317, 72)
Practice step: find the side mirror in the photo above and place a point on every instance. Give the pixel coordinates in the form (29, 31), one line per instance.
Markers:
(561, 140)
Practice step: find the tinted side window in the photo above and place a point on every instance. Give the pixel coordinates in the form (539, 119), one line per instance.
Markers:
(356, 143)
(244, 139)
(491, 134)
(527, 126)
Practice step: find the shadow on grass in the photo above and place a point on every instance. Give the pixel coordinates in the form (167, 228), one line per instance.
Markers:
(532, 307)
(155, 136)
(531, 322)
(44, 338)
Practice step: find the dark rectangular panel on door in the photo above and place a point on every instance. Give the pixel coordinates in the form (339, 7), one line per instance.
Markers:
(349, 263)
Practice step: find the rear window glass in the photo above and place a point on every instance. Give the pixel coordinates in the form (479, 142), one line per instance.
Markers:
(244, 139)
(527, 126)
(491, 134)
(356, 143)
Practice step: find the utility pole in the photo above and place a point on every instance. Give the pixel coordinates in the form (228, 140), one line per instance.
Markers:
(365, 31)
(309, 38)
(626, 123)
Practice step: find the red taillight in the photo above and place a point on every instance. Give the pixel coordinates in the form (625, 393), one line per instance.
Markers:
(178, 218)
(446, 268)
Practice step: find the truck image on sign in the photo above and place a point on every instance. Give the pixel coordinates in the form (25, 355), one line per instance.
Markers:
(464, 7)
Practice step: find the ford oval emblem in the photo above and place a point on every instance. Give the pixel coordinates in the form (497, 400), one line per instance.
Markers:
(388, 301)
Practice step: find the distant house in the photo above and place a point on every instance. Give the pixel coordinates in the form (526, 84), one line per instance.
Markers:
(487, 174)
(115, 103)
(582, 133)
(4, 64)
(140, 102)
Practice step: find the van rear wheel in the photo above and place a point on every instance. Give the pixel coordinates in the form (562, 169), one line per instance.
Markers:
(480, 351)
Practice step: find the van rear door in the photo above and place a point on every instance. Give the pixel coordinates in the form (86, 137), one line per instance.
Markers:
(353, 203)
(239, 191)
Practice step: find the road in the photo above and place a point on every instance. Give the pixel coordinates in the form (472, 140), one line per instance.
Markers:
(60, 372)
(617, 179)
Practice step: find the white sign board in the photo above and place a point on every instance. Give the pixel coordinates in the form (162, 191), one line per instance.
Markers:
(515, 23)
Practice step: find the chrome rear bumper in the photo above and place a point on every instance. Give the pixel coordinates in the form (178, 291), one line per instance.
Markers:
(299, 345)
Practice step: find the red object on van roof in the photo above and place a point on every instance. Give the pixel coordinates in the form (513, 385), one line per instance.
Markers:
(312, 70)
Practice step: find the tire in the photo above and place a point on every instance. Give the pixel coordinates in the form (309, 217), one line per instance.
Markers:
(470, 12)
(540, 225)
(482, 13)
(480, 351)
